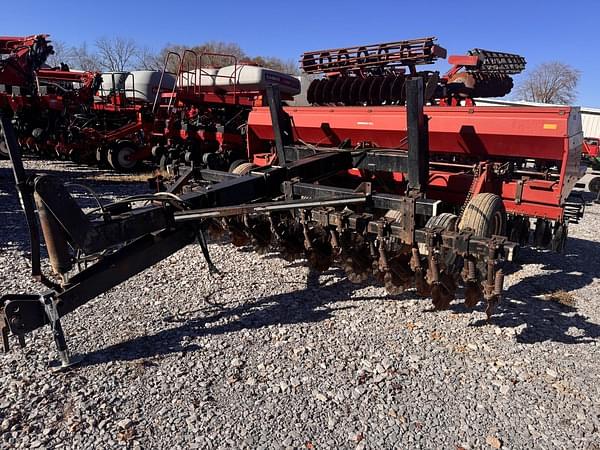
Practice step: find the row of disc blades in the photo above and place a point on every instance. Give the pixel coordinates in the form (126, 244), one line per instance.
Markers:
(390, 89)
(373, 90)
(492, 85)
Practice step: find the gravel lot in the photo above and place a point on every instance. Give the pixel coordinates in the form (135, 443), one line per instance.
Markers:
(268, 355)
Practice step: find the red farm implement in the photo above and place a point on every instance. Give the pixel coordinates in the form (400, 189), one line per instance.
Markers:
(411, 186)
(203, 117)
(56, 112)
(190, 111)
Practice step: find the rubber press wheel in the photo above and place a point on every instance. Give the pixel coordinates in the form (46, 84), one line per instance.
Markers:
(447, 221)
(484, 216)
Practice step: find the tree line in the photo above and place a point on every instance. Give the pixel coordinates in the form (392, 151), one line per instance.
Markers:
(550, 82)
(118, 54)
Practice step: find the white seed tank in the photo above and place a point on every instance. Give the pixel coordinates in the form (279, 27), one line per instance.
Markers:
(112, 81)
(140, 85)
(205, 78)
(255, 78)
(144, 84)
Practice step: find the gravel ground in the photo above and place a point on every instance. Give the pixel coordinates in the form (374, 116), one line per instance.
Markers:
(268, 355)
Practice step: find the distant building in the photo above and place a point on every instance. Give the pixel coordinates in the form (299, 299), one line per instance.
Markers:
(590, 117)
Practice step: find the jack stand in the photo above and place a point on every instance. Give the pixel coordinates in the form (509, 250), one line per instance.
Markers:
(65, 359)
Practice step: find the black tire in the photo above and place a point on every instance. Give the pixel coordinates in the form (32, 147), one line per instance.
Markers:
(485, 216)
(119, 157)
(447, 221)
(236, 163)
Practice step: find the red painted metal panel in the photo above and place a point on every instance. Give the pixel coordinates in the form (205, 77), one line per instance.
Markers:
(463, 60)
(481, 132)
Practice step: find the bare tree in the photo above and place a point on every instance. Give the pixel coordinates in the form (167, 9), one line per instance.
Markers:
(148, 60)
(83, 59)
(116, 54)
(550, 82)
(62, 54)
(120, 54)
(222, 48)
(289, 66)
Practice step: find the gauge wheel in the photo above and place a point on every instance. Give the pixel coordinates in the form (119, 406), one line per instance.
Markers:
(485, 216)
(121, 157)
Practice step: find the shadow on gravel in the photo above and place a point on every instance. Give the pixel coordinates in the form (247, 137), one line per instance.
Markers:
(547, 320)
(307, 305)
(13, 227)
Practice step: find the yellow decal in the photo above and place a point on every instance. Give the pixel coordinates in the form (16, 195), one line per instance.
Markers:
(550, 126)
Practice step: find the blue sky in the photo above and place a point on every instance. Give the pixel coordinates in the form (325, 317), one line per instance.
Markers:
(542, 30)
